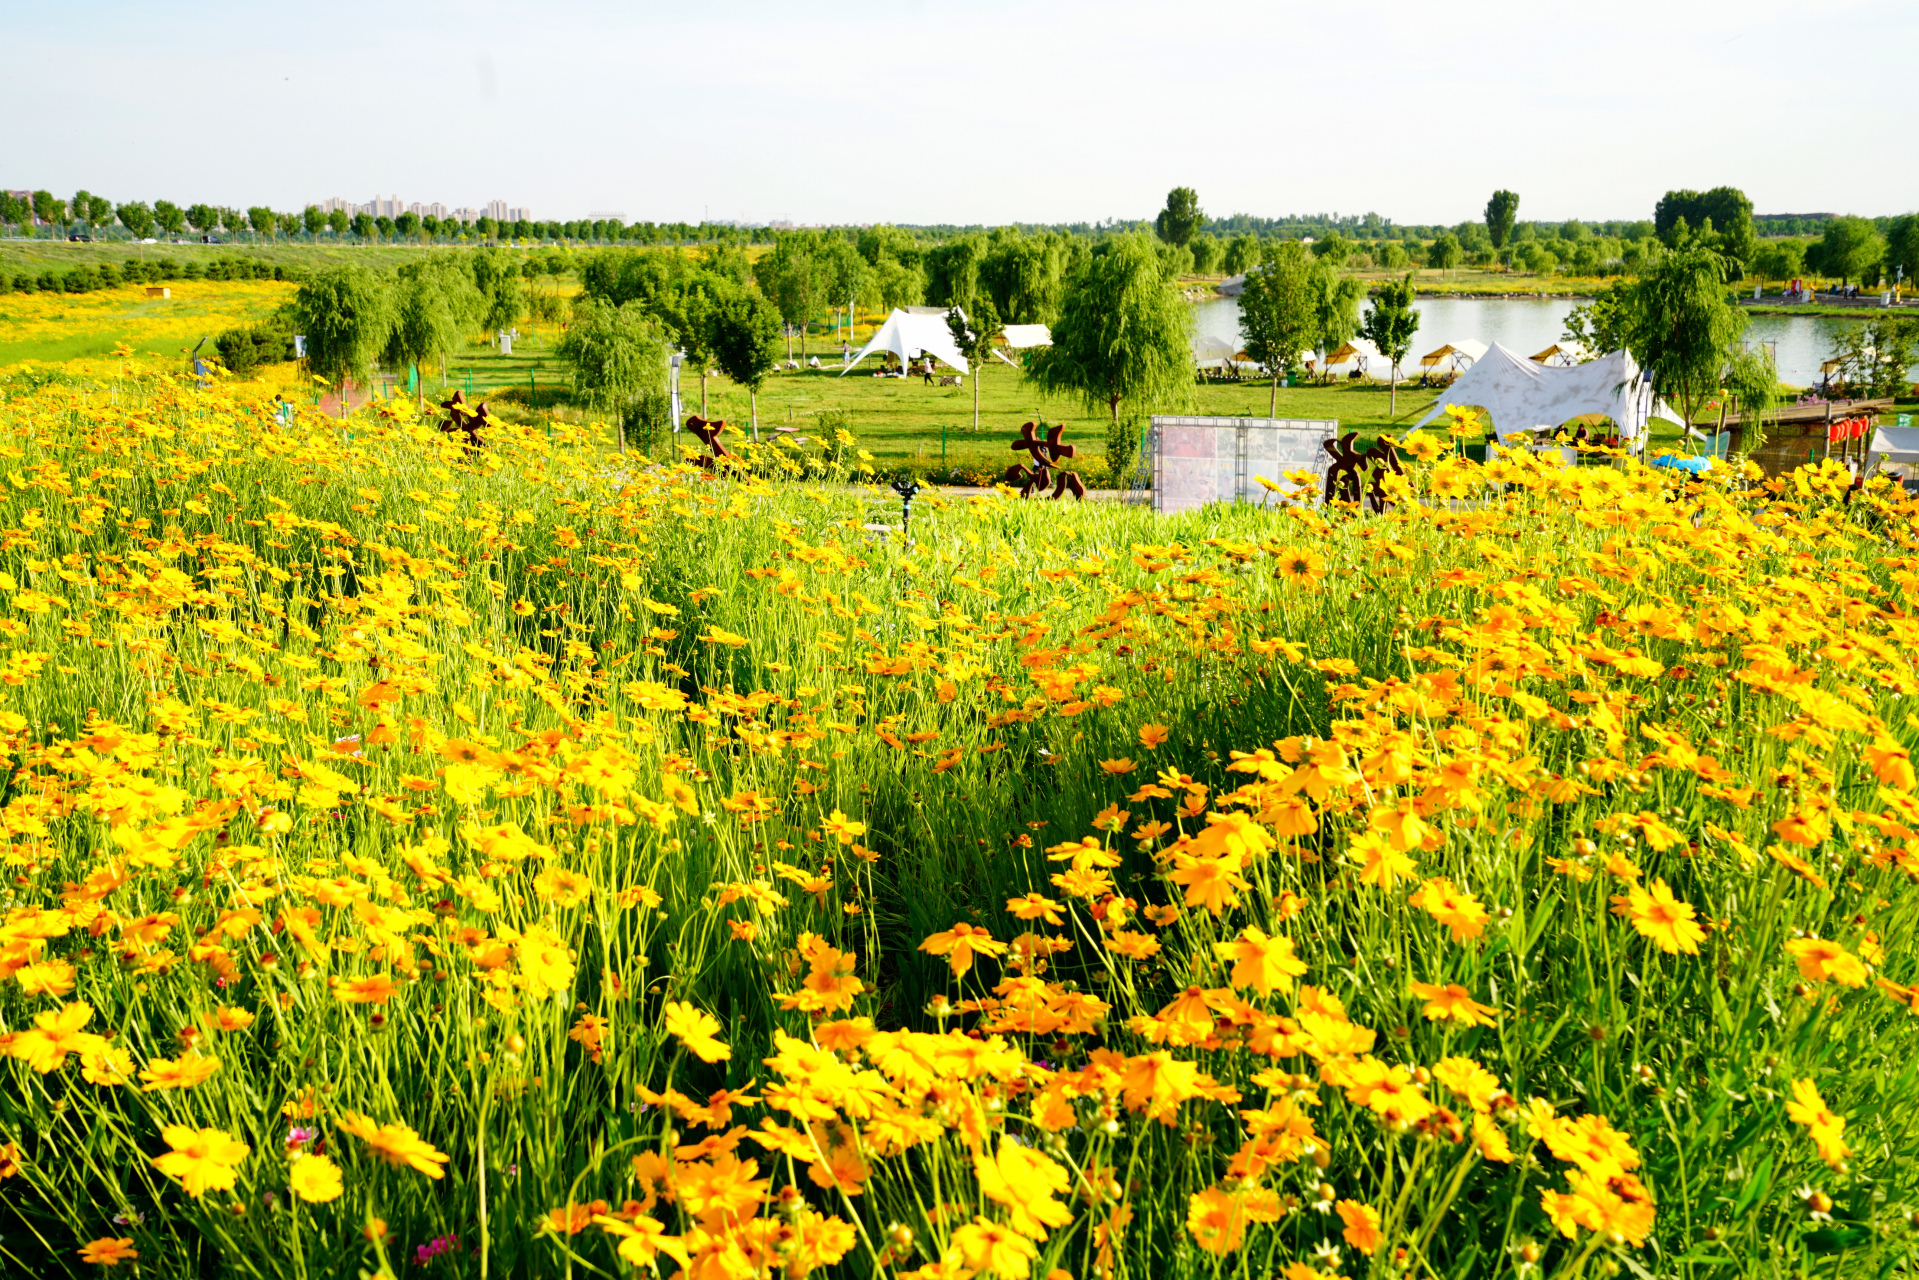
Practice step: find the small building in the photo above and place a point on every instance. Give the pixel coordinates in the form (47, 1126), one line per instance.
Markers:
(159, 291)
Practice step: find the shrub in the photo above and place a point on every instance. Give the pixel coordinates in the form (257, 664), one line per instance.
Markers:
(244, 350)
(1122, 449)
(648, 421)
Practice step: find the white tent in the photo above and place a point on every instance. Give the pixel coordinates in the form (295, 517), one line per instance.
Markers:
(1894, 444)
(1021, 336)
(1210, 352)
(1522, 395)
(1461, 355)
(908, 336)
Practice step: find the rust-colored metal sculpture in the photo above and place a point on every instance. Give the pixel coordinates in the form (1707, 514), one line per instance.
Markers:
(1356, 471)
(1045, 456)
(709, 431)
(465, 421)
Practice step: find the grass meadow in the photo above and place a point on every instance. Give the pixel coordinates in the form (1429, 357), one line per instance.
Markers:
(542, 862)
(903, 424)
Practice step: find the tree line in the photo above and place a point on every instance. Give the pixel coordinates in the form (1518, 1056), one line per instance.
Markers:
(90, 215)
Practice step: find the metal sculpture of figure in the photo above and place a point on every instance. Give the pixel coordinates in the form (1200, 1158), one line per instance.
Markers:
(708, 430)
(1352, 470)
(468, 422)
(1045, 455)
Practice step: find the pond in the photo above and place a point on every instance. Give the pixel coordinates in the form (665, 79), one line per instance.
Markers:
(1527, 325)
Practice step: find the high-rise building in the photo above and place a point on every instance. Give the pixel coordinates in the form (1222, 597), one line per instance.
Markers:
(393, 207)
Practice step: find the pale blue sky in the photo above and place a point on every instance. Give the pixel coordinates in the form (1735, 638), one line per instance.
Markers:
(970, 112)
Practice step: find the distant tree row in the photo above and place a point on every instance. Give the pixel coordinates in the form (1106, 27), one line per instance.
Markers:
(90, 215)
(156, 270)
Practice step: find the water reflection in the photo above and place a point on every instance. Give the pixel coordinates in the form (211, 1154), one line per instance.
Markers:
(1527, 325)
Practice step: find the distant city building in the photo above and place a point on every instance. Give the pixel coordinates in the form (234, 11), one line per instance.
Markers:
(607, 215)
(393, 207)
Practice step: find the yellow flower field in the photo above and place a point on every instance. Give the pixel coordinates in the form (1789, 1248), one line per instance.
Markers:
(34, 323)
(534, 862)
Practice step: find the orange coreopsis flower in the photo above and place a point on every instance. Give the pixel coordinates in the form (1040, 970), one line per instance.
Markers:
(1468, 1080)
(1656, 914)
(1458, 910)
(374, 989)
(1826, 1129)
(202, 1160)
(1217, 1220)
(1387, 1090)
(696, 1029)
(1361, 1229)
(641, 1238)
(45, 1045)
(314, 1179)
(1891, 763)
(561, 887)
(1212, 883)
(571, 1219)
(1035, 906)
(395, 1143)
(183, 1072)
(589, 1032)
(1820, 960)
(1156, 1083)
(229, 1018)
(843, 828)
(960, 944)
(1025, 1181)
(987, 1246)
(1617, 1205)
(1380, 865)
(721, 1192)
(1452, 1003)
(1151, 735)
(108, 1251)
(1265, 964)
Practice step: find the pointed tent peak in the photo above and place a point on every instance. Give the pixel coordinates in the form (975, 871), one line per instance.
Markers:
(908, 335)
(1520, 395)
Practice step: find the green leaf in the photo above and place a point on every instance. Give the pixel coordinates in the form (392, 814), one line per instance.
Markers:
(1756, 1186)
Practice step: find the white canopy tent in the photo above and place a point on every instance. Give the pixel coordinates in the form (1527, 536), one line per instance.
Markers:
(1522, 395)
(1021, 336)
(1210, 352)
(1461, 355)
(909, 336)
(1894, 444)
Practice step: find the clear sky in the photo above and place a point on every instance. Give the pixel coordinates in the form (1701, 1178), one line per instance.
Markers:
(909, 111)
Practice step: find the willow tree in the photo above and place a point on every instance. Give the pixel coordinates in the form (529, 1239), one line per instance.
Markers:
(347, 313)
(618, 355)
(1684, 328)
(1123, 334)
(435, 305)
